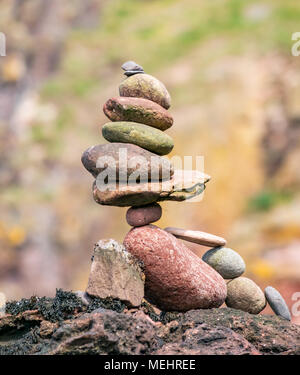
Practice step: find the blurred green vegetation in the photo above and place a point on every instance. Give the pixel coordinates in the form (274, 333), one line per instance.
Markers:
(268, 199)
(158, 33)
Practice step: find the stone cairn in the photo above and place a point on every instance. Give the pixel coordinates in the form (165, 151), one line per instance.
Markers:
(152, 262)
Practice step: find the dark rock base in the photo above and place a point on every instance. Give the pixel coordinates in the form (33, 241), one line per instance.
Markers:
(64, 325)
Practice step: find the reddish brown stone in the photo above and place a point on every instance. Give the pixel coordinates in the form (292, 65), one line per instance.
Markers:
(176, 278)
(139, 110)
(143, 215)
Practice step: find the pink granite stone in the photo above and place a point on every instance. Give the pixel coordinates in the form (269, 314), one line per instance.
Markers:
(176, 278)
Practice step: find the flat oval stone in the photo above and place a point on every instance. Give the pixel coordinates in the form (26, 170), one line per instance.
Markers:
(195, 236)
(243, 294)
(176, 278)
(277, 303)
(182, 186)
(145, 136)
(122, 160)
(226, 261)
(143, 215)
(139, 110)
(147, 87)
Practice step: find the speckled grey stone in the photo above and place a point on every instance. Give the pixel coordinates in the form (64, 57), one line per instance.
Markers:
(226, 261)
(277, 303)
(243, 294)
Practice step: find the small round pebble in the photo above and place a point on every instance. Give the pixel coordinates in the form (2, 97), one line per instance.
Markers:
(143, 215)
(226, 261)
(132, 66)
(277, 303)
(243, 294)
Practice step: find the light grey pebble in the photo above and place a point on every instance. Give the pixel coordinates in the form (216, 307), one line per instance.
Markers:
(226, 261)
(277, 303)
(83, 296)
(132, 66)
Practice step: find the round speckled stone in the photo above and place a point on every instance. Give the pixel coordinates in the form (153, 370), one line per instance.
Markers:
(143, 215)
(277, 303)
(226, 261)
(147, 87)
(145, 136)
(243, 294)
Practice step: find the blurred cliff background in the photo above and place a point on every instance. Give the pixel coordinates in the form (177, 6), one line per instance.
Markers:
(235, 90)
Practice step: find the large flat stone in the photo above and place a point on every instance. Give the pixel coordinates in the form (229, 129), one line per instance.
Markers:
(182, 186)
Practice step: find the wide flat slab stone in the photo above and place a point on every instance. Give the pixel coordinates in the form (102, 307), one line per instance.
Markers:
(182, 186)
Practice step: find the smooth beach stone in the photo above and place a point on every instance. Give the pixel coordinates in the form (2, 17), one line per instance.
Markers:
(243, 294)
(147, 87)
(226, 261)
(143, 215)
(277, 303)
(132, 66)
(176, 278)
(182, 186)
(139, 110)
(196, 236)
(124, 160)
(145, 136)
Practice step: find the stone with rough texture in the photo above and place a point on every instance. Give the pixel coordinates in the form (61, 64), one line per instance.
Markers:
(115, 274)
(145, 136)
(243, 294)
(65, 325)
(182, 186)
(195, 236)
(226, 261)
(143, 215)
(176, 278)
(277, 303)
(123, 160)
(139, 110)
(147, 87)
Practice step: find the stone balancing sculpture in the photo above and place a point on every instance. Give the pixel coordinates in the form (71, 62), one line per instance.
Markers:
(154, 263)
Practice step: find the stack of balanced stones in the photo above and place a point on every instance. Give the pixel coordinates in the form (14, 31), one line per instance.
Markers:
(176, 279)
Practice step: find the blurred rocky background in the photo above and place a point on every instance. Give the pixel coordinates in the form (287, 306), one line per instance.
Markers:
(235, 90)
